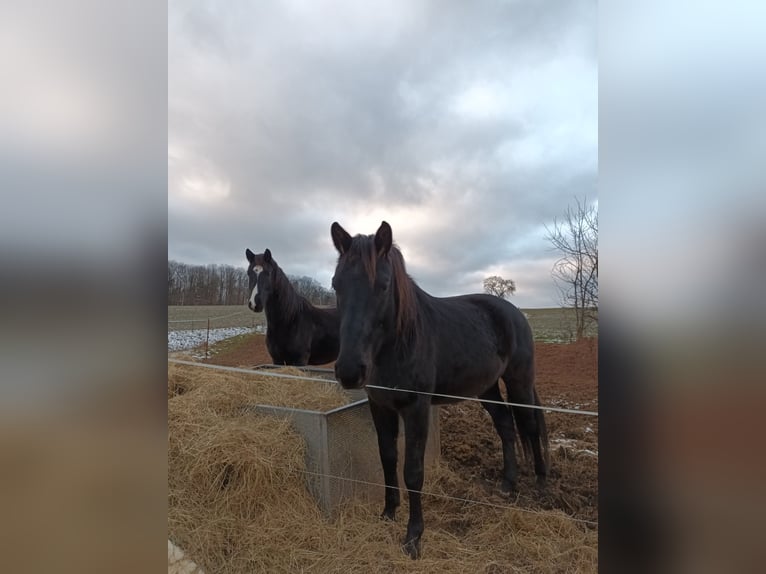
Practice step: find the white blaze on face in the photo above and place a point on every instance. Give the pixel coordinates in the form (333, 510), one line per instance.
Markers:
(257, 270)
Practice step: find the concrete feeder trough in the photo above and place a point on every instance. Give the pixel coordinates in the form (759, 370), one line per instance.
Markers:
(342, 446)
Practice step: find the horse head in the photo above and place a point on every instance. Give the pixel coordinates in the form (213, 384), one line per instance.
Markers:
(259, 273)
(363, 283)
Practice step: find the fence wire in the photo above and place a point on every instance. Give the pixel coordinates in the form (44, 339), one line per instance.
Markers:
(203, 319)
(393, 389)
(444, 496)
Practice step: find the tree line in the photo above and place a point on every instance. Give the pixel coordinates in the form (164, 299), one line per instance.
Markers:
(228, 285)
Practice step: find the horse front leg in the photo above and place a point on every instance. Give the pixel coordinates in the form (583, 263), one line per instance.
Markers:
(302, 360)
(415, 436)
(387, 428)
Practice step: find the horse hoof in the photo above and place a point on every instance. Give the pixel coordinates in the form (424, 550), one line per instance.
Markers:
(507, 486)
(541, 481)
(412, 549)
(388, 515)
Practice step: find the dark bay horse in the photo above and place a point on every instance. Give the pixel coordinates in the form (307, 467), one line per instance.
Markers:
(298, 333)
(394, 334)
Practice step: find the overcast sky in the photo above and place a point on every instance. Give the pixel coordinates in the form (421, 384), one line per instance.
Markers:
(468, 126)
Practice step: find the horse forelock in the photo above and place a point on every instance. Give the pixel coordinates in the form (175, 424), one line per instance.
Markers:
(258, 260)
(363, 248)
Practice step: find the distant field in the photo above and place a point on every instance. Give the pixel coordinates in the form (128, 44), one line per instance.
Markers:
(196, 316)
(555, 324)
(552, 324)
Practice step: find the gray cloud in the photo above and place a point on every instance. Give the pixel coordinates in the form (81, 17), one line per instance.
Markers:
(466, 126)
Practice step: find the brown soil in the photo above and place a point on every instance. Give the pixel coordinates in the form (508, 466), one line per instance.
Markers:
(567, 376)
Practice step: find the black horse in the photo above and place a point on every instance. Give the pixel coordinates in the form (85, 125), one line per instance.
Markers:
(298, 333)
(393, 334)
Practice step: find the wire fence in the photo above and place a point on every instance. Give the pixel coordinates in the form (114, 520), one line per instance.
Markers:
(198, 319)
(206, 322)
(545, 408)
(445, 496)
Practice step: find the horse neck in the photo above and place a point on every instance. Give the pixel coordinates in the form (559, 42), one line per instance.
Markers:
(284, 302)
(420, 307)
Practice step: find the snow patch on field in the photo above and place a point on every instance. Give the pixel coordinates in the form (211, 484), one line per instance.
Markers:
(178, 563)
(572, 444)
(183, 340)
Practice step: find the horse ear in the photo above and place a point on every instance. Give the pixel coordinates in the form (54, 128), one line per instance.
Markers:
(383, 239)
(267, 256)
(250, 255)
(340, 238)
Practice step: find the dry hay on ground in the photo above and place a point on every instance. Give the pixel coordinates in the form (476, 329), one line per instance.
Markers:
(566, 375)
(238, 502)
(225, 390)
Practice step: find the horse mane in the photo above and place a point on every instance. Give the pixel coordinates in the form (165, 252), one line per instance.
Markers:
(405, 294)
(290, 303)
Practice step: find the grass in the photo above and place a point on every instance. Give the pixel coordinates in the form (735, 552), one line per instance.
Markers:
(550, 325)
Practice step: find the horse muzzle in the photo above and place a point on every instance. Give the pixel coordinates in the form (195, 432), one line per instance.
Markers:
(351, 374)
(256, 306)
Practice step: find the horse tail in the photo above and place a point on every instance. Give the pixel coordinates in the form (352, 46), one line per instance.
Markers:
(523, 441)
(543, 432)
(530, 425)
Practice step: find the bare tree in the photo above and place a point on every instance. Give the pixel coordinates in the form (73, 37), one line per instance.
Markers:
(575, 273)
(227, 285)
(206, 285)
(311, 289)
(496, 285)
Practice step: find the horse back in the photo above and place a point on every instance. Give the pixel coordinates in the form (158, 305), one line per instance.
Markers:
(477, 336)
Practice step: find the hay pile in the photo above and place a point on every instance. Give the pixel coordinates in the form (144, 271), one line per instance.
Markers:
(225, 391)
(238, 501)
